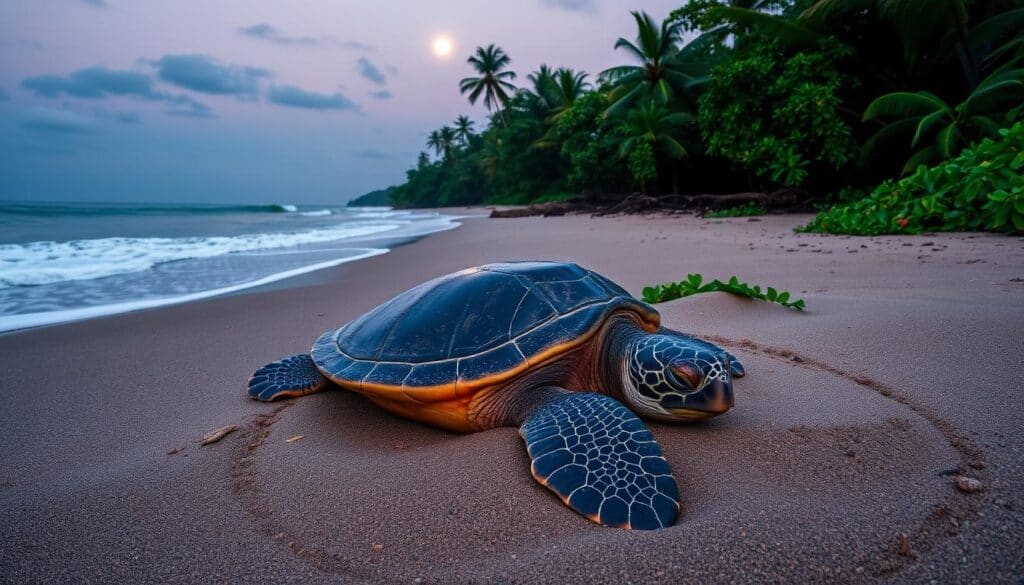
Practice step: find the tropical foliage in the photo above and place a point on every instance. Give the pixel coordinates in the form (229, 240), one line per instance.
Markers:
(694, 284)
(748, 210)
(779, 117)
(982, 188)
(939, 130)
(825, 97)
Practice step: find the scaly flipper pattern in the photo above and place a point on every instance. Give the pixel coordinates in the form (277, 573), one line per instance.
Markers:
(602, 461)
(292, 376)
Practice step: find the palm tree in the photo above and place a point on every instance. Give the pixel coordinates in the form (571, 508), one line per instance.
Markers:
(663, 69)
(557, 89)
(446, 139)
(653, 127)
(434, 141)
(493, 83)
(464, 129)
(568, 85)
(542, 80)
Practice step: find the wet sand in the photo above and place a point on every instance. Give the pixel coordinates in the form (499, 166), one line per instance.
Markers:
(837, 464)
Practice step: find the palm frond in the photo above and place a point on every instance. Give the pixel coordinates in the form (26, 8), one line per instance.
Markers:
(788, 32)
(829, 10)
(629, 47)
(672, 147)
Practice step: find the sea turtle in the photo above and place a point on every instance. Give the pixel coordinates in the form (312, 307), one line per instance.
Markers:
(549, 347)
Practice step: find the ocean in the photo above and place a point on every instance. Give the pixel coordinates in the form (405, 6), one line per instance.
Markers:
(68, 261)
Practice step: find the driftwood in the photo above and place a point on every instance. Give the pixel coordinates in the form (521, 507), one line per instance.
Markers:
(782, 200)
(552, 209)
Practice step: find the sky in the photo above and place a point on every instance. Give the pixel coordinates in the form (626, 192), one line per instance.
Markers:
(258, 101)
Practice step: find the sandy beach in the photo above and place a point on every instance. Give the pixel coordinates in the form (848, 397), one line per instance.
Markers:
(837, 464)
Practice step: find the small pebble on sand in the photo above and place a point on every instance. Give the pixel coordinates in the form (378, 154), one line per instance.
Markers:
(968, 485)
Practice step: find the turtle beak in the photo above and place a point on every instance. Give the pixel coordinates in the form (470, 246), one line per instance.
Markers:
(714, 399)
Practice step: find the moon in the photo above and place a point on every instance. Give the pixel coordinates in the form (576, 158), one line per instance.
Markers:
(442, 46)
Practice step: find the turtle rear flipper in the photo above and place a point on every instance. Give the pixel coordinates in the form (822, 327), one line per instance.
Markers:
(602, 461)
(292, 376)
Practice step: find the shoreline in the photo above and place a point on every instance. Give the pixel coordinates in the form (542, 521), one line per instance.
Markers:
(24, 321)
(849, 427)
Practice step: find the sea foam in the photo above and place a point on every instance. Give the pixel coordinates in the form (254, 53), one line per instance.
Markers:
(46, 262)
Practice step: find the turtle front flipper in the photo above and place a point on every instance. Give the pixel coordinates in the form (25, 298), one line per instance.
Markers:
(292, 376)
(602, 461)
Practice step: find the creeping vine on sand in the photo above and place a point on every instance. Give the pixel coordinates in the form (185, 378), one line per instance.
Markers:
(694, 284)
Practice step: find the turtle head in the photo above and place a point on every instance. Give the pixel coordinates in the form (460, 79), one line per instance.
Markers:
(677, 378)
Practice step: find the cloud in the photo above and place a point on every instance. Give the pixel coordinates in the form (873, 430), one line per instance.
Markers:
(371, 153)
(572, 5)
(22, 44)
(204, 74)
(370, 71)
(289, 95)
(189, 108)
(267, 32)
(119, 116)
(381, 95)
(354, 45)
(99, 82)
(127, 117)
(93, 83)
(51, 121)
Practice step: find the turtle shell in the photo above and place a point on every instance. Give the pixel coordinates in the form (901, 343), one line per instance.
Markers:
(452, 335)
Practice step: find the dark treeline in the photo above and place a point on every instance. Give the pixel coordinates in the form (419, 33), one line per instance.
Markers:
(825, 97)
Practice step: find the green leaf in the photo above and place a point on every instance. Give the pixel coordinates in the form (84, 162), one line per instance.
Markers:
(785, 30)
(926, 124)
(650, 294)
(904, 105)
(946, 140)
(674, 290)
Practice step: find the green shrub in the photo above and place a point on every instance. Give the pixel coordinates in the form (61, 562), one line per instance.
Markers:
(748, 210)
(779, 116)
(980, 189)
(694, 284)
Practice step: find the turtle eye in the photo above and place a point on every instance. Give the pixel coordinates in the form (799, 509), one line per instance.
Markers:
(688, 375)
